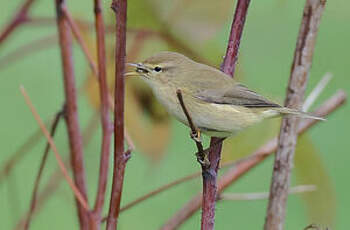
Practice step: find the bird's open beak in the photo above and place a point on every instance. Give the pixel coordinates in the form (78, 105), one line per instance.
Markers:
(133, 73)
(140, 69)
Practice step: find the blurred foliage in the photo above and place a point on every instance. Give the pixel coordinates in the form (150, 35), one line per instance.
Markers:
(198, 29)
(321, 205)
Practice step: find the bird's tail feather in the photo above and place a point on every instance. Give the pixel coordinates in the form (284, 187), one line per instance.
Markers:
(288, 111)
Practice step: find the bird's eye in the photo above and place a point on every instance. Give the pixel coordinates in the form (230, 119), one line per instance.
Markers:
(157, 69)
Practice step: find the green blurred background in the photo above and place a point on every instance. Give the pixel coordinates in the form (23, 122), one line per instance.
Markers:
(164, 152)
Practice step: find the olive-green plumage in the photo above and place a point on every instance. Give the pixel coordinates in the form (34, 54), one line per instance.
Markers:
(218, 105)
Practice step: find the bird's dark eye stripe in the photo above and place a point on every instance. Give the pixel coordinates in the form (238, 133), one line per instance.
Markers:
(157, 69)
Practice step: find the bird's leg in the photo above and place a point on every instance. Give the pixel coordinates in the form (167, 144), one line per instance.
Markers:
(202, 154)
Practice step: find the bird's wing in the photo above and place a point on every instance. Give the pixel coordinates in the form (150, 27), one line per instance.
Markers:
(236, 94)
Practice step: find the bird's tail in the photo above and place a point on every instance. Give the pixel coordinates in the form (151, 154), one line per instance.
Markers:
(288, 111)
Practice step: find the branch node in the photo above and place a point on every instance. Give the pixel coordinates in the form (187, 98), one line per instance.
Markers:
(114, 6)
(127, 155)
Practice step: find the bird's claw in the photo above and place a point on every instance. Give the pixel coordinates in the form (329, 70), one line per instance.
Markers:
(196, 136)
(203, 158)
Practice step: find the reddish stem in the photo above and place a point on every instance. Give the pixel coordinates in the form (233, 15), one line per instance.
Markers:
(120, 156)
(75, 140)
(18, 19)
(105, 119)
(228, 66)
(230, 61)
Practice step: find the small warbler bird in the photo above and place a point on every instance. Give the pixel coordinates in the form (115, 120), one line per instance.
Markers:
(218, 105)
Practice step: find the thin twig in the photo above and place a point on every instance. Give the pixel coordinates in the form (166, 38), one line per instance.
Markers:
(288, 133)
(105, 119)
(75, 140)
(264, 195)
(230, 60)
(80, 198)
(56, 177)
(41, 169)
(159, 190)
(174, 183)
(315, 93)
(171, 185)
(19, 18)
(81, 42)
(120, 156)
(28, 50)
(254, 159)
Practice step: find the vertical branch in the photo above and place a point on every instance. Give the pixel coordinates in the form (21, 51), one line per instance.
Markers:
(228, 66)
(19, 18)
(105, 119)
(120, 157)
(288, 133)
(230, 60)
(75, 140)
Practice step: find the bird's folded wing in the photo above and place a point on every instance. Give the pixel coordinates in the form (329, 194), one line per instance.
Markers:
(236, 94)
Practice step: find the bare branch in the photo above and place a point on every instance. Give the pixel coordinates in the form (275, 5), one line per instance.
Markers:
(228, 66)
(288, 134)
(230, 60)
(170, 185)
(244, 166)
(315, 93)
(105, 119)
(75, 140)
(41, 169)
(19, 18)
(79, 196)
(120, 156)
(264, 195)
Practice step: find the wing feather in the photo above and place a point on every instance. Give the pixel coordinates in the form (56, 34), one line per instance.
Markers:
(236, 94)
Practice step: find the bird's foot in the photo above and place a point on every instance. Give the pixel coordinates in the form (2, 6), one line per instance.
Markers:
(196, 136)
(203, 158)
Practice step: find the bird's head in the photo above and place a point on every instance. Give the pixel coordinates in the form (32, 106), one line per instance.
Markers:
(162, 67)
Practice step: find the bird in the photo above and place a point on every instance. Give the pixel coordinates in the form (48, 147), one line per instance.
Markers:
(219, 105)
